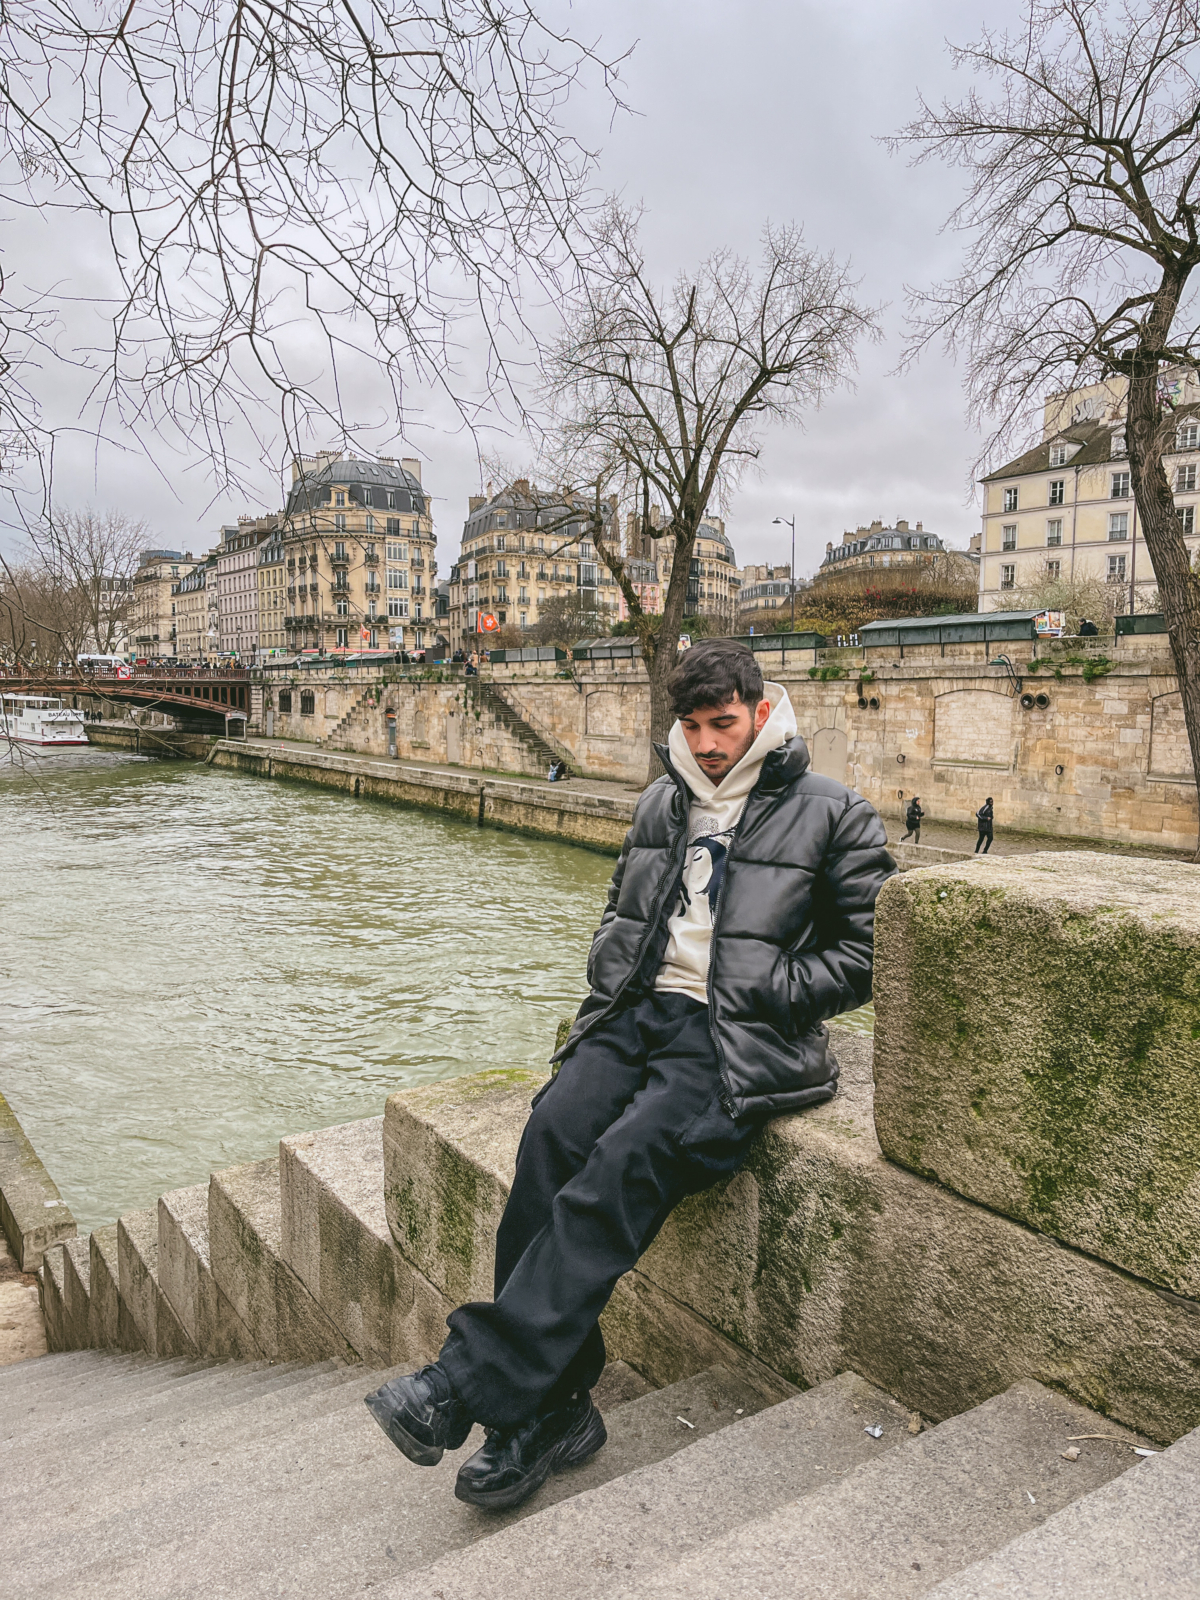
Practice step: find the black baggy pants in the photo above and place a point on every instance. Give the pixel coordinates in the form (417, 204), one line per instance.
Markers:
(984, 834)
(631, 1125)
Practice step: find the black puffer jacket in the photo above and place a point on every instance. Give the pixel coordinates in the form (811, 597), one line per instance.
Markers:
(793, 932)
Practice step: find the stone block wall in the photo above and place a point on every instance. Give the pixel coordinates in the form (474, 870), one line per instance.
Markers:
(1104, 759)
(1038, 1048)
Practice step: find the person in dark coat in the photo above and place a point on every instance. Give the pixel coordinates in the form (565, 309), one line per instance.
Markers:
(985, 816)
(912, 820)
(740, 916)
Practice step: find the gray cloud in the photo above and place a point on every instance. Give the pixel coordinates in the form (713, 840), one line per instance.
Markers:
(742, 113)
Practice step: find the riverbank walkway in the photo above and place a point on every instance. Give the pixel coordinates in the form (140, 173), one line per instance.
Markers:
(941, 839)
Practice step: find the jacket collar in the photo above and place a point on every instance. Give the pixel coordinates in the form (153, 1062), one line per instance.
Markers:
(781, 767)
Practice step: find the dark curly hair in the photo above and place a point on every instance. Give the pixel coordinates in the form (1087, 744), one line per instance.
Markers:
(712, 673)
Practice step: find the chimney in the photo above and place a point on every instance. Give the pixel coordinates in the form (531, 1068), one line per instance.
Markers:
(876, 527)
(521, 485)
(828, 546)
(902, 525)
(920, 527)
(411, 464)
(475, 501)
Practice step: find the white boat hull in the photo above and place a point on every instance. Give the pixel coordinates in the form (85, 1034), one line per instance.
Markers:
(29, 738)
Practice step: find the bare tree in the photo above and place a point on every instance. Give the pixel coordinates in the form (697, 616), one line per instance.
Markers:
(663, 394)
(280, 184)
(90, 557)
(1082, 213)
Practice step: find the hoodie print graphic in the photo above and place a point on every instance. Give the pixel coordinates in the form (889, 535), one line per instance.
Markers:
(705, 870)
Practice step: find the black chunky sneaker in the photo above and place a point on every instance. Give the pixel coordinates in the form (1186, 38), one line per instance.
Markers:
(516, 1461)
(421, 1415)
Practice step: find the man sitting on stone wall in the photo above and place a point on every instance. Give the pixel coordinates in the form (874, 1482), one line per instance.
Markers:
(740, 915)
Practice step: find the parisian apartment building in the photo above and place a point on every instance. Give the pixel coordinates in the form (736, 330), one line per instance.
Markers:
(1064, 509)
(358, 556)
(152, 631)
(523, 548)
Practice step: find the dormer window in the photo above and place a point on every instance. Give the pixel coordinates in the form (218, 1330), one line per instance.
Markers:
(1117, 447)
(1187, 436)
(339, 497)
(1061, 452)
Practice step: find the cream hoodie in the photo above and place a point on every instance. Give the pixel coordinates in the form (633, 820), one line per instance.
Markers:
(712, 823)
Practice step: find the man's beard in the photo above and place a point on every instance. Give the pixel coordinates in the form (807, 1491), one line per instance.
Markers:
(728, 762)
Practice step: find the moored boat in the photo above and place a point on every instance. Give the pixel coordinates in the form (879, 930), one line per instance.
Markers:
(38, 719)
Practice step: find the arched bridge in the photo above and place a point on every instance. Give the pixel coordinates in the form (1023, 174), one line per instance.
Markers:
(202, 698)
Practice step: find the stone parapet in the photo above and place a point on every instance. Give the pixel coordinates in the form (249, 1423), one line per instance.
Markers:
(597, 821)
(820, 1256)
(33, 1214)
(1036, 1047)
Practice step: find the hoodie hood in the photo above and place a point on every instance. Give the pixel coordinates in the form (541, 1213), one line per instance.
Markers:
(737, 783)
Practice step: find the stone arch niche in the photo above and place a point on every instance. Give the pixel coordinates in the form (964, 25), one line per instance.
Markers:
(602, 713)
(1170, 753)
(973, 726)
(829, 750)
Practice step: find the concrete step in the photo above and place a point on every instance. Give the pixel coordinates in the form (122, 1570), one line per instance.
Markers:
(895, 1528)
(649, 1518)
(144, 1312)
(109, 1403)
(245, 1237)
(185, 1276)
(331, 1507)
(52, 1292)
(128, 1470)
(105, 1286)
(335, 1238)
(1138, 1535)
(77, 1294)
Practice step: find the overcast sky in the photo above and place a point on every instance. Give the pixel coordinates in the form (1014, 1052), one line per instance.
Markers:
(743, 112)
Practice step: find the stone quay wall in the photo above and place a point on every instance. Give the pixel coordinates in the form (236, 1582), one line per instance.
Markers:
(993, 1195)
(1104, 757)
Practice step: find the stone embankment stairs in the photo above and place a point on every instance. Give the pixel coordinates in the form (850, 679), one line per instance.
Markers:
(133, 1477)
(540, 743)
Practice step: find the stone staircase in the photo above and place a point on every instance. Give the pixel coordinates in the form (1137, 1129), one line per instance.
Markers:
(138, 1478)
(353, 715)
(539, 743)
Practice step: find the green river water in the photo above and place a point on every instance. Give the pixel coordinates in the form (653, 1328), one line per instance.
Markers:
(194, 963)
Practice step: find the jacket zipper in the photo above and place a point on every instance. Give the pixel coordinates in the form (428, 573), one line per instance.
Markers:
(652, 924)
(725, 1095)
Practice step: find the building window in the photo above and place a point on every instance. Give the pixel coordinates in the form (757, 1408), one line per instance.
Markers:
(339, 523)
(1058, 455)
(396, 578)
(1054, 570)
(397, 608)
(393, 527)
(1116, 569)
(501, 542)
(391, 499)
(339, 498)
(501, 616)
(370, 523)
(1054, 531)
(1120, 486)
(1008, 536)
(1010, 499)
(1185, 480)
(1008, 577)
(285, 701)
(1117, 447)
(524, 619)
(1118, 525)
(342, 606)
(397, 552)
(502, 569)
(1187, 515)
(1187, 436)
(342, 638)
(307, 703)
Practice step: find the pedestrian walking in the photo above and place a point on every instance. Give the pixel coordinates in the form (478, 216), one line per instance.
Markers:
(690, 1039)
(912, 819)
(985, 816)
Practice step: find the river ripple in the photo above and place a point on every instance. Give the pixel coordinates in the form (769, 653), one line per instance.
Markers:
(194, 963)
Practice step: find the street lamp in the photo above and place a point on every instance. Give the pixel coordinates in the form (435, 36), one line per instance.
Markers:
(790, 522)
